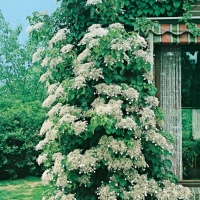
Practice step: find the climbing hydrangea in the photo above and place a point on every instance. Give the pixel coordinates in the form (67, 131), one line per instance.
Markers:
(102, 135)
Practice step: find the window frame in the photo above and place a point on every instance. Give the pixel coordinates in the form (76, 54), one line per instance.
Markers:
(156, 71)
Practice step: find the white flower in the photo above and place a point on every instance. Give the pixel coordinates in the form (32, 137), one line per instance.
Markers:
(145, 55)
(120, 44)
(95, 31)
(37, 55)
(126, 123)
(34, 27)
(130, 94)
(79, 82)
(49, 101)
(41, 159)
(67, 48)
(105, 193)
(55, 61)
(46, 126)
(116, 25)
(79, 127)
(60, 35)
(82, 56)
(152, 101)
(47, 177)
(149, 77)
(93, 2)
(44, 77)
(45, 62)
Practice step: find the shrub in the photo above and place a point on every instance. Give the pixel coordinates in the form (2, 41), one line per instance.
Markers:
(19, 127)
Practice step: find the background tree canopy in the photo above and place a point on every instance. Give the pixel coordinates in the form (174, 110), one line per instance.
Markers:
(21, 114)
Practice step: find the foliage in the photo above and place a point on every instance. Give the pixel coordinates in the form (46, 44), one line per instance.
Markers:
(187, 17)
(191, 159)
(20, 105)
(19, 124)
(17, 75)
(29, 188)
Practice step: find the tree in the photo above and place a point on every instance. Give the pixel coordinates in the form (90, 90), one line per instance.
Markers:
(18, 77)
(103, 135)
(20, 105)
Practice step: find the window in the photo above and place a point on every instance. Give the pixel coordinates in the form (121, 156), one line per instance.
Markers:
(177, 77)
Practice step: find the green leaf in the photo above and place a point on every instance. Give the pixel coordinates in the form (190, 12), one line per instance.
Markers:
(168, 7)
(162, 10)
(176, 4)
(168, 163)
(157, 12)
(127, 3)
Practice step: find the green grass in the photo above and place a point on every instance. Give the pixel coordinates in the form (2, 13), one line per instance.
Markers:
(29, 188)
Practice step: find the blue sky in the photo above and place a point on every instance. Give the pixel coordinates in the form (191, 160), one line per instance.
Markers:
(15, 11)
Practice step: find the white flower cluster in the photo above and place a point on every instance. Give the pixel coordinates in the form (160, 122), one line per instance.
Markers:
(52, 88)
(49, 101)
(79, 82)
(83, 55)
(134, 151)
(140, 41)
(126, 123)
(152, 101)
(149, 77)
(73, 110)
(46, 126)
(93, 43)
(145, 55)
(158, 139)
(85, 163)
(117, 146)
(51, 135)
(86, 71)
(60, 195)
(79, 127)
(120, 44)
(112, 108)
(172, 191)
(45, 76)
(54, 93)
(37, 55)
(60, 35)
(132, 109)
(93, 2)
(45, 62)
(140, 162)
(67, 48)
(116, 25)
(94, 31)
(55, 61)
(34, 27)
(47, 177)
(147, 118)
(105, 193)
(41, 144)
(67, 118)
(130, 94)
(115, 164)
(42, 158)
(111, 90)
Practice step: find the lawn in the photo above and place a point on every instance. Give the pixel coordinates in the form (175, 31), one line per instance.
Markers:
(29, 188)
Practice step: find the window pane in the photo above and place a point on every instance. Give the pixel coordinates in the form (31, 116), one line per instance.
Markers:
(190, 92)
